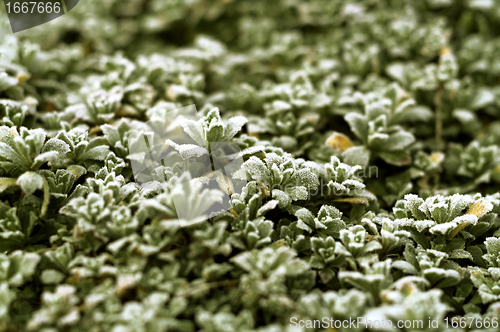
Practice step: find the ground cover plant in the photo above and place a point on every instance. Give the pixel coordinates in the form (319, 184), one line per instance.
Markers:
(369, 133)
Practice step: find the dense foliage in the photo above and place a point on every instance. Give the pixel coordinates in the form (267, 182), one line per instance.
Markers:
(369, 131)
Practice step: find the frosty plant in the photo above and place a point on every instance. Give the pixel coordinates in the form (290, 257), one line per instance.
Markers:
(173, 143)
(365, 185)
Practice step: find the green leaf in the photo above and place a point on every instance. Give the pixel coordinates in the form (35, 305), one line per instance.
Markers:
(358, 125)
(357, 155)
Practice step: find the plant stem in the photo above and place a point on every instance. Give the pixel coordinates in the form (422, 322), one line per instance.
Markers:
(439, 130)
(439, 121)
(46, 197)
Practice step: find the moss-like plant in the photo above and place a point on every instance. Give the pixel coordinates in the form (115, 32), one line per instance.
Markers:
(353, 148)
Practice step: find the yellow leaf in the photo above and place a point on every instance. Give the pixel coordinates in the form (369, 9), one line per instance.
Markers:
(339, 142)
(6, 182)
(480, 208)
(353, 200)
